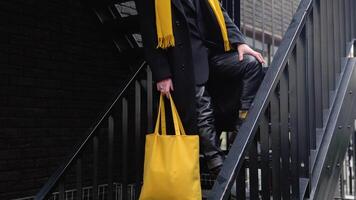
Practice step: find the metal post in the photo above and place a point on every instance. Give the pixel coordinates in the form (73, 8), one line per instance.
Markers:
(138, 142)
(317, 64)
(79, 178)
(110, 157)
(292, 67)
(124, 155)
(237, 13)
(254, 23)
(263, 28)
(273, 36)
(149, 100)
(354, 155)
(95, 191)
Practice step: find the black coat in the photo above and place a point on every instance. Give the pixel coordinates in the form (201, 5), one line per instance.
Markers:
(176, 62)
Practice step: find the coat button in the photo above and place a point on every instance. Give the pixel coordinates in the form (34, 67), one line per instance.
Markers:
(178, 23)
(183, 67)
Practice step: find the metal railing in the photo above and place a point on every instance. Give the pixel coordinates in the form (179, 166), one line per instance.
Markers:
(277, 147)
(118, 133)
(271, 153)
(102, 156)
(87, 193)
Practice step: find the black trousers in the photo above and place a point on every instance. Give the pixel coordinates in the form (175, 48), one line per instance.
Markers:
(225, 68)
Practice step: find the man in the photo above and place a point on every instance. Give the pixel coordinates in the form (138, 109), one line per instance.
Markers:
(181, 38)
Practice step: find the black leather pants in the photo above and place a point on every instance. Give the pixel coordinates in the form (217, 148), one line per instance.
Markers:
(246, 74)
(228, 76)
(209, 138)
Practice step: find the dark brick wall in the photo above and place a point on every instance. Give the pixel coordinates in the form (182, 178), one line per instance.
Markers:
(58, 70)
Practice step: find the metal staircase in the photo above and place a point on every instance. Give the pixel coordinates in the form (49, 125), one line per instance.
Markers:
(292, 144)
(298, 131)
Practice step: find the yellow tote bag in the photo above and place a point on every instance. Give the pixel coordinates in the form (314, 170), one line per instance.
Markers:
(171, 168)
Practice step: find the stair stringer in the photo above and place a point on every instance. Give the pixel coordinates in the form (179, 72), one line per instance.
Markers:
(336, 139)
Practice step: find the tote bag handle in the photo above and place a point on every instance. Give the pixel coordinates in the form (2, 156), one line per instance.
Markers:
(161, 118)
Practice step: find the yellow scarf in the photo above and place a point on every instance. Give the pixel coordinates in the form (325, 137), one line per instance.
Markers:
(164, 23)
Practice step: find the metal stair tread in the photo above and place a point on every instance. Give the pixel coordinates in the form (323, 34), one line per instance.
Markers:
(326, 113)
(303, 185)
(314, 152)
(319, 137)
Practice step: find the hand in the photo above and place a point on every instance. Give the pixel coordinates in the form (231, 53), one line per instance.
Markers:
(245, 49)
(165, 86)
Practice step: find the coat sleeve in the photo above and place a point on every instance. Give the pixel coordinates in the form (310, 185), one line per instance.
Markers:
(156, 58)
(234, 33)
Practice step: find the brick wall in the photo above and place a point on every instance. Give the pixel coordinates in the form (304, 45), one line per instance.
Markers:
(58, 70)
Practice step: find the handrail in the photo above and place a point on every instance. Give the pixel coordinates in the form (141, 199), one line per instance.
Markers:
(344, 103)
(235, 158)
(53, 180)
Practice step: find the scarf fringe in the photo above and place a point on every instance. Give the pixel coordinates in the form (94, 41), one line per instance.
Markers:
(164, 28)
(166, 42)
(227, 46)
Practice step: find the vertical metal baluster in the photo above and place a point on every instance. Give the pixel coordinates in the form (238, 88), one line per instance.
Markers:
(61, 189)
(79, 184)
(229, 7)
(354, 156)
(344, 23)
(232, 15)
(263, 28)
(254, 23)
(342, 27)
(237, 13)
(349, 167)
(273, 36)
(243, 6)
(350, 20)
(253, 172)
(276, 145)
(95, 167)
(354, 19)
(302, 105)
(149, 101)
(124, 149)
(224, 3)
(285, 148)
(330, 46)
(293, 121)
(310, 80)
(324, 54)
(138, 145)
(337, 63)
(241, 183)
(342, 185)
(110, 157)
(265, 163)
(347, 20)
(317, 64)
